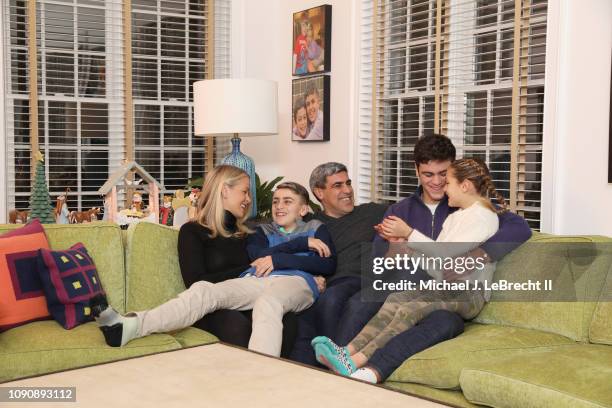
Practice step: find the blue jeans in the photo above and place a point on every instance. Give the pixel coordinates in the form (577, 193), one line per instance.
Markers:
(322, 318)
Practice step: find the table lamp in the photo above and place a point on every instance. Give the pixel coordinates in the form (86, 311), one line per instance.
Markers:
(245, 107)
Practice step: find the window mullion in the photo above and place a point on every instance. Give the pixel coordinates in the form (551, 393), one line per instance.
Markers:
(498, 42)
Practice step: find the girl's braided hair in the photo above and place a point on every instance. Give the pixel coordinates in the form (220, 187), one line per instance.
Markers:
(477, 172)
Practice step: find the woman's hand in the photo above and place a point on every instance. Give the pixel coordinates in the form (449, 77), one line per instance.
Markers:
(321, 283)
(263, 266)
(320, 247)
(395, 228)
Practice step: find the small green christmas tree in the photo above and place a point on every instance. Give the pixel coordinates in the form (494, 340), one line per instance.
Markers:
(40, 202)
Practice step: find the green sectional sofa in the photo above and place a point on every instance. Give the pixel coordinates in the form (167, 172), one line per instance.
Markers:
(514, 354)
(44, 346)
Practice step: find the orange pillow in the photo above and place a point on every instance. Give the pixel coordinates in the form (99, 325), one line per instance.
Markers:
(22, 299)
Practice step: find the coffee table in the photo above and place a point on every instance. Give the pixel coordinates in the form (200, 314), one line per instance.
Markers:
(215, 375)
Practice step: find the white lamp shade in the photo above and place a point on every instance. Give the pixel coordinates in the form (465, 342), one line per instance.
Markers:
(227, 106)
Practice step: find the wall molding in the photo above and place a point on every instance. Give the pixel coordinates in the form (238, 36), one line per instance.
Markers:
(556, 40)
(3, 168)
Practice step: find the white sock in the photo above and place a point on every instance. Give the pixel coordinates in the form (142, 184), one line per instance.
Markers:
(365, 374)
(129, 330)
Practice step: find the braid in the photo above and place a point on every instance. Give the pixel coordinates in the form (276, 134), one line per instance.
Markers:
(493, 193)
(478, 173)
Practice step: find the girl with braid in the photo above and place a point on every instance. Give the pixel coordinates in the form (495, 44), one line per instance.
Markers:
(468, 187)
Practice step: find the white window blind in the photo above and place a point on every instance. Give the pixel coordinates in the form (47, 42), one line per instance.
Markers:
(478, 83)
(81, 90)
(170, 47)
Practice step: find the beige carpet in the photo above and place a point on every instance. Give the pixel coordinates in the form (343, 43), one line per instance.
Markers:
(215, 376)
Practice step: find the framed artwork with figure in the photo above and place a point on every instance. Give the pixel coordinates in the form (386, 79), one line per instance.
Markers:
(311, 46)
(310, 113)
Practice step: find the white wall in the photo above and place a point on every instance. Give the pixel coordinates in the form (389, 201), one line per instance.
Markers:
(267, 47)
(581, 198)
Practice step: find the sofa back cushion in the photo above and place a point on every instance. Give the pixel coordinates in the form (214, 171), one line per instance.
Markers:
(153, 271)
(577, 264)
(104, 244)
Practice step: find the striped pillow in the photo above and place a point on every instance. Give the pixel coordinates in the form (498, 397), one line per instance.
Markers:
(69, 279)
(22, 299)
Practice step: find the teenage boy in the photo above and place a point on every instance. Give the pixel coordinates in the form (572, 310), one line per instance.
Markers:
(426, 211)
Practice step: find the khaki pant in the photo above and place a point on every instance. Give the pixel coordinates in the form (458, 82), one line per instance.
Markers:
(402, 310)
(270, 298)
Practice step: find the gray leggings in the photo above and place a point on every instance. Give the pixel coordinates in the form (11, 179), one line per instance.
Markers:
(402, 310)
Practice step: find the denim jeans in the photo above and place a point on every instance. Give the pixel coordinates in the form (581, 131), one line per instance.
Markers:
(323, 317)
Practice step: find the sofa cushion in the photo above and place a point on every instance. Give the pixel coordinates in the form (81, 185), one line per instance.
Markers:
(153, 271)
(22, 298)
(569, 376)
(440, 365)
(578, 265)
(43, 347)
(70, 280)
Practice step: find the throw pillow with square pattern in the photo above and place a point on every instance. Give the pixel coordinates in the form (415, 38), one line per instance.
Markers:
(22, 299)
(69, 279)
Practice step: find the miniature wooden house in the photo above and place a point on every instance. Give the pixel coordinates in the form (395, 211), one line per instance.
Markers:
(119, 181)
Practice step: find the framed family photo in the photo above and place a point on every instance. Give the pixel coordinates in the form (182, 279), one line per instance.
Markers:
(311, 41)
(310, 112)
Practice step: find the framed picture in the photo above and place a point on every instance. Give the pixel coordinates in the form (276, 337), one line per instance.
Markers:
(310, 113)
(311, 51)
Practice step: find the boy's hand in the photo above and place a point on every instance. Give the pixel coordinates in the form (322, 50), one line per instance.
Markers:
(394, 227)
(320, 247)
(321, 283)
(263, 266)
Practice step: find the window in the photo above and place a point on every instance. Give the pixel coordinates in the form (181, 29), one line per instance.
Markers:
(81, 91)
(489, 97)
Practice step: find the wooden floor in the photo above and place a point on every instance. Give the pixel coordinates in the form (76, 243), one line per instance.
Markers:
(215, 375)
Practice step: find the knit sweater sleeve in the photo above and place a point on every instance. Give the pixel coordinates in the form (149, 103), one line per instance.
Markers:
(513, 231)
(315, 265)
(465, 228)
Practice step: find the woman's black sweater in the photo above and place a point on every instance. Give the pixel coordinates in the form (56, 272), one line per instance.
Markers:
(211, 259)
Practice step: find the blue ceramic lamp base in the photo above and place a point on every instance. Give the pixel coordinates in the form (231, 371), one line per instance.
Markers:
(242, 161)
